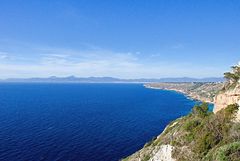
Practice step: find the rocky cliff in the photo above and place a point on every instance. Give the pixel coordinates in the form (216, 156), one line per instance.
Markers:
(227, 97)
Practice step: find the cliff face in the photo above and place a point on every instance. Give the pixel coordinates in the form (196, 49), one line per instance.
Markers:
(224, 98)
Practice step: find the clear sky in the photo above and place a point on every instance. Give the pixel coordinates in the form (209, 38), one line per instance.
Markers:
(118, 38)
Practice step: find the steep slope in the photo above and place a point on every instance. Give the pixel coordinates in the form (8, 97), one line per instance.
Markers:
(201, 135)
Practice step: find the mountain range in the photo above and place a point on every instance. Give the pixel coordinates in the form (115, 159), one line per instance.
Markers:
(73, 79)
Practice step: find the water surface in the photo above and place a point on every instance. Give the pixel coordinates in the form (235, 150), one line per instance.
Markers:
(82, 122)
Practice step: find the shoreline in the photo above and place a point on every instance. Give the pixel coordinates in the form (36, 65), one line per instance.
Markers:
(189, 96)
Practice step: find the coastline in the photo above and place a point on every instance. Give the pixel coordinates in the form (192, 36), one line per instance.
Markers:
(187, 94)
(164, 147)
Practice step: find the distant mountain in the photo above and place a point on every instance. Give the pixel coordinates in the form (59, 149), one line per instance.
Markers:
(73, 79)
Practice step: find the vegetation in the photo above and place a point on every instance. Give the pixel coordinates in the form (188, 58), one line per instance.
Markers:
(209, 136)
(146, 158)
(232, 77)
(201, 136)
(229, 152)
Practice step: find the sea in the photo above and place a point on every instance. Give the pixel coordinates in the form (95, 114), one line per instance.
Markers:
(82, 122)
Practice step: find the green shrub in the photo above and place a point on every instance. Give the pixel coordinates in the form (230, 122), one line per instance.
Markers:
(213, 130)
(230, 112)
(189, 137)
(146, 157)
(191, 124)
(204, 143)
(200, 110)
(229, 152)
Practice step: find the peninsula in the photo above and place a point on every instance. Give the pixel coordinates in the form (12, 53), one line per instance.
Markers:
(202, 91)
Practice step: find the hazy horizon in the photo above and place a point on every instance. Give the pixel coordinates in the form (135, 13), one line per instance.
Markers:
(122, 39)
(68, 76)
(74, 79)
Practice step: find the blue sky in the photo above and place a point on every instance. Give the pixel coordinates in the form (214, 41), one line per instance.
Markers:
(125, 39)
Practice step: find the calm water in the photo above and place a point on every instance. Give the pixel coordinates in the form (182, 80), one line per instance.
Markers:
(82, 122)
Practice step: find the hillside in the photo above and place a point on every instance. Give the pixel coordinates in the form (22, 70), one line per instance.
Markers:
(201, 135)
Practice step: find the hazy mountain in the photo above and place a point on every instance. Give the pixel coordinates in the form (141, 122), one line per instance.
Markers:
(74, 79)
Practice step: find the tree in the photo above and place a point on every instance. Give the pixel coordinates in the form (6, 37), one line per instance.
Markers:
(236, 70)
(200, 110)
(232, 77)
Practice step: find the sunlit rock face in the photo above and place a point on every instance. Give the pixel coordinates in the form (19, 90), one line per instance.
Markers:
(228, 97)
(164, 153)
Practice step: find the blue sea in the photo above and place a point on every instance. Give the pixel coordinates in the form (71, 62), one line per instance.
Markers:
(82, 122)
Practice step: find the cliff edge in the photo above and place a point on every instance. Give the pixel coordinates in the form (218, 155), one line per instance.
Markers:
(226, 98)
(230, 94)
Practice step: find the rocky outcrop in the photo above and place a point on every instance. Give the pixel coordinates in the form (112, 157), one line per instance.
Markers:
(154, 153)
(163, 153)
(227, 97)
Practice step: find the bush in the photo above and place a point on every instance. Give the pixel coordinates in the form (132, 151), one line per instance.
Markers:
(146, 157)
(191, 124)
(203, 135)
(228, 152)
(200, 110)
(214, 129)
(230, 112)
